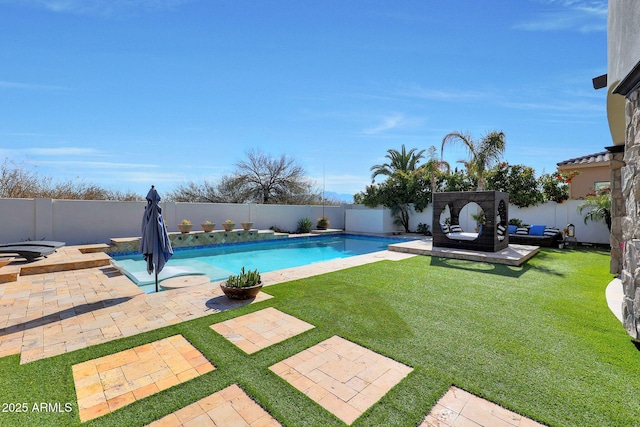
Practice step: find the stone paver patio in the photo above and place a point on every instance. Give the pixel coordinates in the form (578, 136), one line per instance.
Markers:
(458, 408)
(228, 407)
(342, 377)
(111, 382)
(51, 313)
(255, 331)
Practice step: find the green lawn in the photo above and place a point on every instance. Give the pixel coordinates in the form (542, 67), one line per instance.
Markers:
(538, 340)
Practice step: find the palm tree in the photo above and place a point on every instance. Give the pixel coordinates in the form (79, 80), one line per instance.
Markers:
(482, 154)
(599, 208)
(435, 165)
(399, 161)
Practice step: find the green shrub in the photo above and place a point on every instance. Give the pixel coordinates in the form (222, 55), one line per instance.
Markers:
(423, 229)
(304, 225)
(244, 279)
(517, 222)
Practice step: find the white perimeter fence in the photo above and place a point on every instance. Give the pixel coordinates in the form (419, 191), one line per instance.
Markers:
(92, 221)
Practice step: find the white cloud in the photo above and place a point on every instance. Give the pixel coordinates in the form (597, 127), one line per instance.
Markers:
(343, 183)
(417, 91)
(152, 177)
(387, 123)
(575, 15)
(63, 151)
(28, 86)
(577, 108)
(105, 8)
(93, 165)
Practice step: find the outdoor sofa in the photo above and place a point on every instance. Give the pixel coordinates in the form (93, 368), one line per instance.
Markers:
(537, 235)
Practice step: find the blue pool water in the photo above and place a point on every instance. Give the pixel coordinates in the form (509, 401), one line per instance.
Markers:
(218, 262)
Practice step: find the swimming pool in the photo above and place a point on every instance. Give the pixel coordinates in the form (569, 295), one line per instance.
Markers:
(218, 262)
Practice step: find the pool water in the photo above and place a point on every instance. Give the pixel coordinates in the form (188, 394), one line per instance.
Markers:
(218, 262)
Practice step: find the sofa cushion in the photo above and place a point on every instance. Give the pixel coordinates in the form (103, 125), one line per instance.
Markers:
(536, 230)
(550, 231)
(512, 229)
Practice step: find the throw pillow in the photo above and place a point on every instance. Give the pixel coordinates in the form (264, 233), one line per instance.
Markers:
(444, 228)
(501, 230)
(537, 230)
(550, 231)
(523, 231)
(455, 228)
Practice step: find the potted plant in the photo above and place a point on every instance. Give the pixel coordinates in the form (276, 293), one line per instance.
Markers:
(246, 225)
(323, 223)
(245, 285)
(208, 226)
(185, 226)
(228, 225)
(480, 220)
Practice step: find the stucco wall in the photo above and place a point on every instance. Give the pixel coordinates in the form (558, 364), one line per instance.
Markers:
(583, 184)
(623, 38)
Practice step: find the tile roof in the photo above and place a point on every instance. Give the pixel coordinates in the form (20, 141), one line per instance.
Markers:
(589, 159)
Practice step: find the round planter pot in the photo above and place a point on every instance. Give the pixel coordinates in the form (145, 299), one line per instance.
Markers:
(208, 228)
(185, 228)
(228, 227)
(246, 225)
(241, 293)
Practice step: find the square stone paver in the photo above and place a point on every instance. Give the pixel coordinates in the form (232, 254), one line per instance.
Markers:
(111, 382)
(228, 407)
(258, 330)
(342, 377)
(461, 408)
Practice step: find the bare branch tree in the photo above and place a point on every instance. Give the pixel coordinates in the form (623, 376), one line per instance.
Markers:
(265, 179)
(18, 182)
(207, 192)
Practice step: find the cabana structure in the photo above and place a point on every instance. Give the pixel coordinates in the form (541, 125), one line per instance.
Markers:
(490, 236)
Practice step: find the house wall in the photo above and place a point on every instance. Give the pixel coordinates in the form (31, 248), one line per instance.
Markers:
(623, 38)
(623, 44)
(584, 183)
(630, 274)
(623, 35)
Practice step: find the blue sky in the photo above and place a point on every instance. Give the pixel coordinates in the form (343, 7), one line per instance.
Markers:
(129, 93)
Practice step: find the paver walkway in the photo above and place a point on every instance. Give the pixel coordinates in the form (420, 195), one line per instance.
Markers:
(228, 407)
(260, 329)
(458, 408)
(111, 382)
(343, 377)
(48, 314)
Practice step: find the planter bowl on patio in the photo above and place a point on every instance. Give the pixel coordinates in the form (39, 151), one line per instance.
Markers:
(241, 293)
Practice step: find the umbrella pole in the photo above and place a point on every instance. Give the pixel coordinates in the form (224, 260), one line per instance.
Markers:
(156, 280)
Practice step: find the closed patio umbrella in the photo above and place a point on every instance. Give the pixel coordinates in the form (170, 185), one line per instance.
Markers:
(154, 245)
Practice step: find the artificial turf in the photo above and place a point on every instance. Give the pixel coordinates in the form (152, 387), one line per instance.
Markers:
(538, 340)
